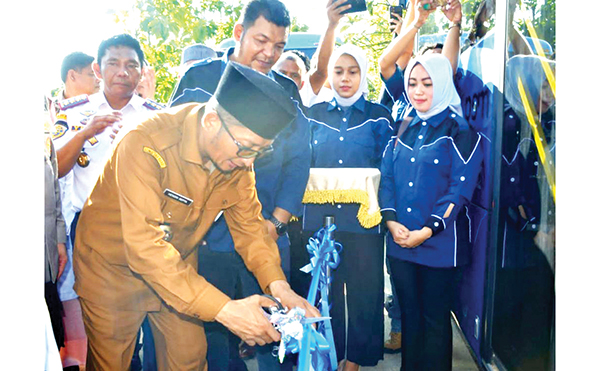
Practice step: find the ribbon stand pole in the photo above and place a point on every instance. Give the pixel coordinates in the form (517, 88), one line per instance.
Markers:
(325, 257)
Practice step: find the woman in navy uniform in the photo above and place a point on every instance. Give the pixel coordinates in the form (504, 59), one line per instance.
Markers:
(351, 132)
(428, 176)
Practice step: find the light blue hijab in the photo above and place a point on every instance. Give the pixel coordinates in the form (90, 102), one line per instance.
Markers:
(442, 77)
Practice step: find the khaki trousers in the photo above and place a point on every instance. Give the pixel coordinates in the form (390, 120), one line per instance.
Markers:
(180, 341)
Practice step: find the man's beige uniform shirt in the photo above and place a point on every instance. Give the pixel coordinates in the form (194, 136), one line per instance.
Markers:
(121, 259)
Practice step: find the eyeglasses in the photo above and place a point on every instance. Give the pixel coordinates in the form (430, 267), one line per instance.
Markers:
(243, 151)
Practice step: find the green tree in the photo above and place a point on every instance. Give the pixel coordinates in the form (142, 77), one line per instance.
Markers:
(165, 27)
(370, 31)
(542, 15)
(297, 26)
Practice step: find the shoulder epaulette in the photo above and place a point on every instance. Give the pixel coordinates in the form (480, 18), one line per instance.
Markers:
(166, 138)
(150, 104)
(73, 102)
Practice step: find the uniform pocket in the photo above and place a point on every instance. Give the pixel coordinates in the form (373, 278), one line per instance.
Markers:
(222, 200)
(364, 139)
(436, 155)
(175, 211)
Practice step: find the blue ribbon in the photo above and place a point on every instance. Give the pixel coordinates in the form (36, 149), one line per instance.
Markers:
(325, 255)
(297, 333)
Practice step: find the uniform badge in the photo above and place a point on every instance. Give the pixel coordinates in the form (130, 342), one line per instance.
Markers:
(47, 127)
(60, 128)
(150, 104)
(88, 113)
(73, 102)
(92, 140)
(177, 197)
(83, 160)
(76, 127)
(61, 116)
(157, 157)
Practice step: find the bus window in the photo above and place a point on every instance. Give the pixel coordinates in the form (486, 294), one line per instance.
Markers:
(524, 301)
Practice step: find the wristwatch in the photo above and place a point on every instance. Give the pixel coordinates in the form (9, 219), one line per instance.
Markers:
(280, 227)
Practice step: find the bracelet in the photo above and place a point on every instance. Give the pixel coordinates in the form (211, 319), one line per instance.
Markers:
(416, 27)
(455, 24)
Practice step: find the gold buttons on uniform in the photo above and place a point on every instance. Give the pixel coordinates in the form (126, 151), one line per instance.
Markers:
(83, 160)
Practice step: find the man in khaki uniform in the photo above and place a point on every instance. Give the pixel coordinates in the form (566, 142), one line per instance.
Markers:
(165, 183)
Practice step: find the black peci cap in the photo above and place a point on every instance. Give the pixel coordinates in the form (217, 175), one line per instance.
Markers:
(255, 100)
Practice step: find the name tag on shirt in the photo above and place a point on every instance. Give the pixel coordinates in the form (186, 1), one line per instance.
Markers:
(177, 197)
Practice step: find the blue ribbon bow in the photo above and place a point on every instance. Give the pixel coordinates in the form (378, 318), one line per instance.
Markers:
(325, 255)
(297, 333)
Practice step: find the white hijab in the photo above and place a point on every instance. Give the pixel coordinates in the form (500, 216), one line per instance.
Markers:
(444, 92)
(361, 58)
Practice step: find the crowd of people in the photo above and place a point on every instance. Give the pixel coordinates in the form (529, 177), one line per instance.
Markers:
(166, 222)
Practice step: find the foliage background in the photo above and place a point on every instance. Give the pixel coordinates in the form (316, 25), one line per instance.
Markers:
(165, 27)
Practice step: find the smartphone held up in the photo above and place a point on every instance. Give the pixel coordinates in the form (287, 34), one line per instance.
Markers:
(357, 6)
(397, 9)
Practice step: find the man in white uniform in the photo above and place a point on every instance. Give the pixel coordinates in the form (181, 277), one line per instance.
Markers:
(84, 129)
(78, 77)
(87, 125)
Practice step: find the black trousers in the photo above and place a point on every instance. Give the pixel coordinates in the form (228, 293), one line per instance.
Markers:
(299, 281)
(361, 272)
(425, 295)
